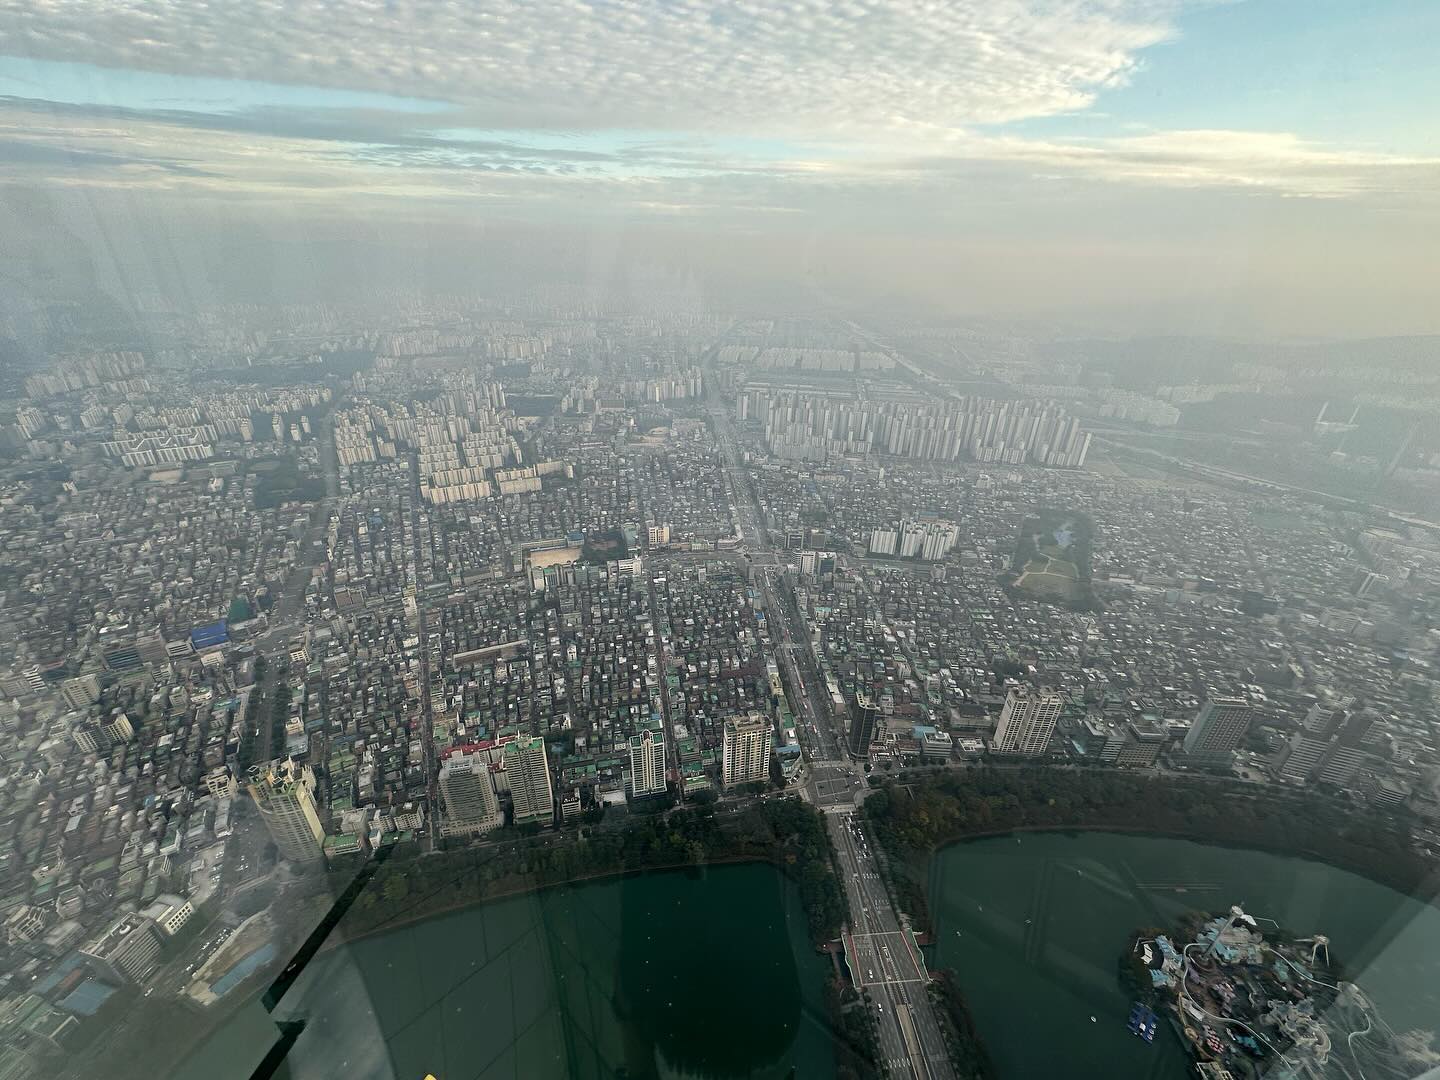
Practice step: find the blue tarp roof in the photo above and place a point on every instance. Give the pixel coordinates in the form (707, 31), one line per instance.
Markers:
(58, 973)
(245, 967)
(86, 999)
(214, 634)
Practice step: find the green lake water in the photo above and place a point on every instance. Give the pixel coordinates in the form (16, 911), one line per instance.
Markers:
(711, 974)
(1033, 925)
(670, 974)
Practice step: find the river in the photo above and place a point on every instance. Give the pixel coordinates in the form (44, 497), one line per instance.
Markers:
(656, 975)
(1033, 925)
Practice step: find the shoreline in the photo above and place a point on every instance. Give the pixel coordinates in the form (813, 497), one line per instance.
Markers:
(422, 914)
(1309, 855)
(214, 1017)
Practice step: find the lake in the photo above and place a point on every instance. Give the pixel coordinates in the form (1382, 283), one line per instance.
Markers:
(657, 975)
(1033, 925)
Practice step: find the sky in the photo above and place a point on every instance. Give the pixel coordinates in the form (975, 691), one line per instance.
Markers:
(1264, 168)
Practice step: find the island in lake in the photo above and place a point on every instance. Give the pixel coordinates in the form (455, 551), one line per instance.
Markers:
(1246, 1002)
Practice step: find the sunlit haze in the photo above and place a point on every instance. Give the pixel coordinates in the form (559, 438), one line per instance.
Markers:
(1126, 166)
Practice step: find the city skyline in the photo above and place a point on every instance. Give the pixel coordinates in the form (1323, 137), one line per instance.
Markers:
(540, 535)
(341, 617)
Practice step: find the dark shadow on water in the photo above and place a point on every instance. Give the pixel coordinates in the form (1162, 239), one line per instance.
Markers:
(706, 987)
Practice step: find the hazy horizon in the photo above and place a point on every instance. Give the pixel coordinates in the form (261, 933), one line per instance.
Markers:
(1115, 166)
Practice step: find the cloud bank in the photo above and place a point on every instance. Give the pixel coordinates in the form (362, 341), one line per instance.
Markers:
(918, 143)
(791, 66)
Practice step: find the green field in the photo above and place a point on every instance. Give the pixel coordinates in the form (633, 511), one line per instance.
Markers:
(1052, 557)
(1050, 577)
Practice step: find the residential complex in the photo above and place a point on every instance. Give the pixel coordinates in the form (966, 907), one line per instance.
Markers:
(528, 775)
(748, 746)
(284, 793)
(1027, 721)
(647, 764)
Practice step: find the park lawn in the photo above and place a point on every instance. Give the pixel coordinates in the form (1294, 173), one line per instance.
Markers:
(1048, 576)
(1049, 585)
(1051, 565)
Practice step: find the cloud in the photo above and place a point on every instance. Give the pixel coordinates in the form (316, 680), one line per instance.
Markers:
(634, 107)
(772, 66)
(16, 152)
(1262, 161)
(351, 153)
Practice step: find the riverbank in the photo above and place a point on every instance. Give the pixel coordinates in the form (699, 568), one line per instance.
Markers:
(914, 818)
(343, 937)
(784, 833)
(967, 1050)
(410, 889)
(1427, 893)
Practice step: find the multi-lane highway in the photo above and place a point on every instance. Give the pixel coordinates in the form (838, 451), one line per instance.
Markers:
(787, 629)
(422, 631)
(885, 962)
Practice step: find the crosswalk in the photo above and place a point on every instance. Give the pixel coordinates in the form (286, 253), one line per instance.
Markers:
(900, 1065)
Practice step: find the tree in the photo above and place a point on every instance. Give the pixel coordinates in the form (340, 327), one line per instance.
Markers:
(395, 889)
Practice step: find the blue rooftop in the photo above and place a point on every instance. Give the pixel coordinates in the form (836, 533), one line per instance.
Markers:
(86, 999)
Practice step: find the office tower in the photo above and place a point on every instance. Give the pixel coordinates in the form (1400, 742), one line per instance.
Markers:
(25, 922)
(284, 793)
(1218, 729)
(1328, 716)
(1144, 739)
(154, 649)
(1027, 720)
(87, 738)
(118, 728)
(127, 951)
(1341, 762)
(863, 717)
(528, 772)
(81, 691)
(122, 657)
(471, 804)
(1299, 758)
(1357, 727)
(220, 782)
(647, 764)
(94, 736)
(33, 677)
(747, 750)
(1328, 749)
(13, 684)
